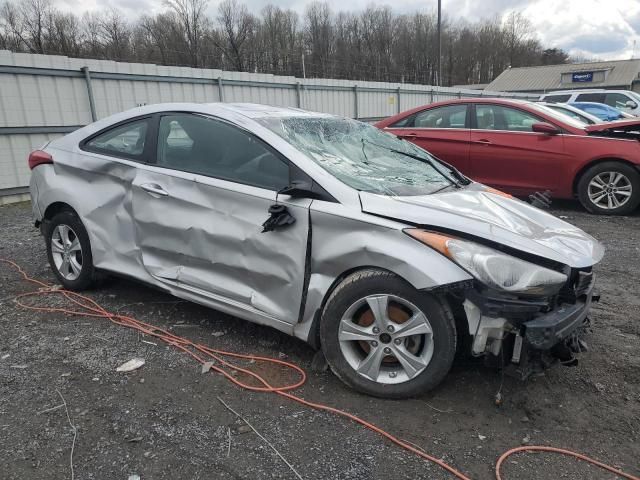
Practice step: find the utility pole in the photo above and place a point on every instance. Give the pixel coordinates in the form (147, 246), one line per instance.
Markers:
(439, 79)
(304, 72)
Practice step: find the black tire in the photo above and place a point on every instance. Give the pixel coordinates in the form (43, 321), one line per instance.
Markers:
(377, 282)
(88, 276)
(631, 176)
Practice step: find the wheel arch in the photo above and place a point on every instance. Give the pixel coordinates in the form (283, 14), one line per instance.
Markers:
(448, 300)
(56, 207)
(593, 163)
(313, 337)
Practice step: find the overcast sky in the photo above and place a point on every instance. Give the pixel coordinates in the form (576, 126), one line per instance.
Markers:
(603, 29)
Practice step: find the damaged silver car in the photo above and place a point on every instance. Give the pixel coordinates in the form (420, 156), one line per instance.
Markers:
(325, 228)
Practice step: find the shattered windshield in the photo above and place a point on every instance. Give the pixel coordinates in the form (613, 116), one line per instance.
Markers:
(362, 156)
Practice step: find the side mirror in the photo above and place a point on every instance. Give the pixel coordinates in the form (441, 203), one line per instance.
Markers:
(544, 127)
(631, 104)
(299, 189)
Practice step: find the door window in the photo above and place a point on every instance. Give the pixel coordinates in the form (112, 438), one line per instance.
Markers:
(590, 97)
(452, 116)
(125, 141)
(556, 98)
(205, 146)
(496, 117)
(617, 100)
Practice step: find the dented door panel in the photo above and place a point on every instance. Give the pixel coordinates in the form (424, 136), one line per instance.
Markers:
(206, 234)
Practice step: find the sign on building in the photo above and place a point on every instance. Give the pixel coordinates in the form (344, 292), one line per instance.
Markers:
(580, 77)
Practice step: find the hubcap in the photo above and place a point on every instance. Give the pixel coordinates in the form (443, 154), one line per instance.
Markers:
(609, 190)
(66, 252)
(386, 339)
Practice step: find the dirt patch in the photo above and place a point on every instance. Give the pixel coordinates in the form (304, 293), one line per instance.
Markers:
(163, 421)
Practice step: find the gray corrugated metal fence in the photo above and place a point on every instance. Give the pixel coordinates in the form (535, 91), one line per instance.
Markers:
(45, 96)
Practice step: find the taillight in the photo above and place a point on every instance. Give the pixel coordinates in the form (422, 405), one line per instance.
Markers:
(38, 157)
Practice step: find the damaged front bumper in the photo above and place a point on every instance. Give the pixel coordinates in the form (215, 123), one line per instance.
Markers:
(497, 323)
(548, 330)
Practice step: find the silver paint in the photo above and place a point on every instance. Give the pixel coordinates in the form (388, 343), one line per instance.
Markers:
(203, 242)
(486, 215)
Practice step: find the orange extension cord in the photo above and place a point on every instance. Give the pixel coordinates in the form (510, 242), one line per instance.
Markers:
(89, 308)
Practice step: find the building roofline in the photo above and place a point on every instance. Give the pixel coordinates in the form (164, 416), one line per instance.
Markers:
(570, 64)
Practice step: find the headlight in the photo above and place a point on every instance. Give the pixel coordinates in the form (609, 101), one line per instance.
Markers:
(492, 267)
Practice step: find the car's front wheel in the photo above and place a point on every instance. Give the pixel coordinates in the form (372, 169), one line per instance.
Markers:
(383, 337)
(610, 188)
(69, 251)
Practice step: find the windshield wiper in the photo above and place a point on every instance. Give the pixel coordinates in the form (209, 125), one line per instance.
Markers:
(456, 173)
(428, 161)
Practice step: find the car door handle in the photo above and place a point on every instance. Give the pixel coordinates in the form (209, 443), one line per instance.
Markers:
(409, 136)
(154, 188)
(483, 141)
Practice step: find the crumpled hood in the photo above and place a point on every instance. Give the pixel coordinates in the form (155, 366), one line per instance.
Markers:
(619, 125)
(478, 212)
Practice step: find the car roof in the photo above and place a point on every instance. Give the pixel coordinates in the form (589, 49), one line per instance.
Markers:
(241, 113)
(247, 110)
(255, 110)
(584, 90)
(494, 100)
(513, 102)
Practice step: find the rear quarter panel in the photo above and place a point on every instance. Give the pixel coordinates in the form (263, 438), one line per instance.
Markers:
(99, 190)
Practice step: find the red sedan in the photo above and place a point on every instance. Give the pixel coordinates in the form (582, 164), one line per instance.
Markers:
(523, 147)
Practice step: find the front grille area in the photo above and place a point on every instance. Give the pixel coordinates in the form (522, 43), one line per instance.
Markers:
(577, 285)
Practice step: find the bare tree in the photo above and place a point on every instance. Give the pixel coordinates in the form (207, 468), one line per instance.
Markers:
(191, 16)
(65, 36)
(237, 27)
(115, 35)
(319, 37)
(12, 32)
(517, 31)
(374, 44)
(278, 39)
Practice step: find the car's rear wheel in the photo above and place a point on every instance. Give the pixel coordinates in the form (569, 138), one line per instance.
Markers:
(610, 188)
(69, 251)
(383, 337)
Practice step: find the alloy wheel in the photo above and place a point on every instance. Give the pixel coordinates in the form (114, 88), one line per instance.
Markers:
(610, 190)
(386, 339)
(66, 252)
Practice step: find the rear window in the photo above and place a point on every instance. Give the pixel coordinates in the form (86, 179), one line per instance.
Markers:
(126, 141)
(557, 98)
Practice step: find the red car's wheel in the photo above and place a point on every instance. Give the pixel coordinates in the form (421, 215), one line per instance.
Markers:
(610, 188)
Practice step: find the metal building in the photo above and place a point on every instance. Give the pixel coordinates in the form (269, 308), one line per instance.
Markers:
(620, 74)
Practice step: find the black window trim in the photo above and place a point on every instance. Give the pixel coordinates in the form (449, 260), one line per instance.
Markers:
(149, 139)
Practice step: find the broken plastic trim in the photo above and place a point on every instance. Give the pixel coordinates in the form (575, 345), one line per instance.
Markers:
(280, 218)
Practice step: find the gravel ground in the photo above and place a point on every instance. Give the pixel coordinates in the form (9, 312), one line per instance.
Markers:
(164, 421)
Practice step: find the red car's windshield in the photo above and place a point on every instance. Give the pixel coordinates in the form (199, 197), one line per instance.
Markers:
(556, 114)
